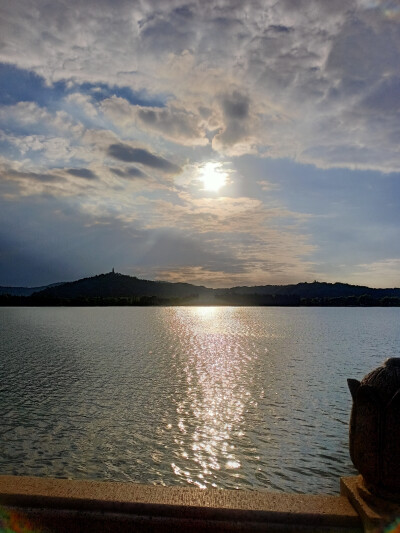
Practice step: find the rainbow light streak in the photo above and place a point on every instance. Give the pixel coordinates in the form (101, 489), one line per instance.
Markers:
(393, 527)
(15, 522)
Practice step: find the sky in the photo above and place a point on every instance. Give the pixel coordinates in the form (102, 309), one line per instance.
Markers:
(220, 143)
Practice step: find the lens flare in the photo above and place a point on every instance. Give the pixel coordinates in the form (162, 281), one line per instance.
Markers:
(12, 521)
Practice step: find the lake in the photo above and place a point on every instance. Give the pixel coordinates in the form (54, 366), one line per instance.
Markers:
(227, 397)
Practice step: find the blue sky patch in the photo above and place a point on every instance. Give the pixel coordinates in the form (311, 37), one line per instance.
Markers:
(20, 85)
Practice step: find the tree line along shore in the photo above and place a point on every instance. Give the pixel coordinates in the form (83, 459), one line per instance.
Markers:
(7, 300)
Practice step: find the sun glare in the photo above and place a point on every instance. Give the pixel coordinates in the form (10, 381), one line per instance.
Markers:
(205, 312)
(213, 176)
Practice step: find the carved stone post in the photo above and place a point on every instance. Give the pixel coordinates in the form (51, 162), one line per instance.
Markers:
(375, 429)
(375, 446)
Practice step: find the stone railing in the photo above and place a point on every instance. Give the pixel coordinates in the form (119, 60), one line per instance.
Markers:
(62, 505)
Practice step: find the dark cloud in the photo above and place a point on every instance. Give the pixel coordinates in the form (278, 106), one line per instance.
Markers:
(225, 22)
(279, 28)
(236, 111)
(69, 244)
(163, 36)
(134, 172)
(205, 112)
(384, 98)
(35, 176)
(147, 115)
(82, 173)
(184, 12)
(176, 124)
(176, 250)
(360, 56)
(64, 243)
(235, 106)
(124, 152)
(131, 172)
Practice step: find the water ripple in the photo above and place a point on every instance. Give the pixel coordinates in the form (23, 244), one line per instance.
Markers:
(251, 398)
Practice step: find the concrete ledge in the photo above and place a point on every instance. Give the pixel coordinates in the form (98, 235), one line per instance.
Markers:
(72, 505)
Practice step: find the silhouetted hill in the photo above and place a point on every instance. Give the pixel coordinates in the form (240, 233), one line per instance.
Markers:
(119, 289)
(315, 290)
(113, 285)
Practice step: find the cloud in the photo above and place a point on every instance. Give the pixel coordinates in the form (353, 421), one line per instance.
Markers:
(126, 153)
(130, 172)
(240, 228)
(178, 125)
(174, 124)
(64, 242)
(279, 28)
(41, 136)
(235, 106)
(220, 215)
(54, 182)
(379, 274)
(176, 250)
(84, 102)
(239, 127)
(29, 117)
(82, 173)
(300, 65)
(162, 33)
(34, 176)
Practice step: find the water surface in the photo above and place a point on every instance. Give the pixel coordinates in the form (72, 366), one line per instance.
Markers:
(252, 398)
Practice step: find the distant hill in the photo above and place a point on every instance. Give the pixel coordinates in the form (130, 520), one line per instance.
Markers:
(120, 289)
(316, 289)
(113, 285)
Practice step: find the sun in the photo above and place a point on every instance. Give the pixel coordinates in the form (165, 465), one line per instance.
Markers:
(213, 177)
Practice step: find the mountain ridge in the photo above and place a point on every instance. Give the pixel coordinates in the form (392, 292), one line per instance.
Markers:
(116, 285)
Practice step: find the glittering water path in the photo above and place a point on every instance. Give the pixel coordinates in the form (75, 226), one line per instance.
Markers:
(251, 398)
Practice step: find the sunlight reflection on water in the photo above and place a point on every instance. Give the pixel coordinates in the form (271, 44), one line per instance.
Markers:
(217, 390)
(251, 398)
